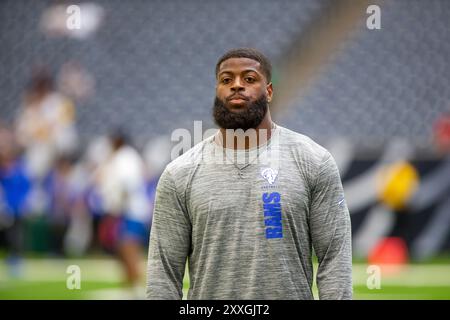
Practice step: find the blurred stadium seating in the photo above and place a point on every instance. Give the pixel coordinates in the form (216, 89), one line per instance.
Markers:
(382, 84)
(152, 63)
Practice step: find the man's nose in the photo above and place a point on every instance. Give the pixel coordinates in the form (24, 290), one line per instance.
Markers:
(237, 85)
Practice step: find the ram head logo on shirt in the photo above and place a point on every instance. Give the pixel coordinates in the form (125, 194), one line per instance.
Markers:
(269, 174)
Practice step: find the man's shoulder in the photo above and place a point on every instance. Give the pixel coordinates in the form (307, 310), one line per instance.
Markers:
(304, 145)
(188, 160)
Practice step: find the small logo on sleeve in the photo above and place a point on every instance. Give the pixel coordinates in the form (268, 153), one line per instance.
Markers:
(341, 202)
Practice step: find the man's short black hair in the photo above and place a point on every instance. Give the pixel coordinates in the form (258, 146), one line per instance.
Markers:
(249, 53)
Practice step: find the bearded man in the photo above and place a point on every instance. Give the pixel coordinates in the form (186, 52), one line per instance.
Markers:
(248, 222)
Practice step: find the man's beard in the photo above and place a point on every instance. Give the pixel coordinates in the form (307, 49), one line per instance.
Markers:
(250, 117)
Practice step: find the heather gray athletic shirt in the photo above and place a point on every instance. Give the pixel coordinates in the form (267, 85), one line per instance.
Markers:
(251, 235)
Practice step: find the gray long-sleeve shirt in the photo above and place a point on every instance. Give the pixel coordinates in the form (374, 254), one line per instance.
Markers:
(249, 234)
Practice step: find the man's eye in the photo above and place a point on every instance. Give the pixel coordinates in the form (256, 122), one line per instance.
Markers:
(226, 80)
(250, 79)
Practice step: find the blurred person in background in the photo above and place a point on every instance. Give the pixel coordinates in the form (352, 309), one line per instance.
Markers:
(45, 124)
(45, 129)
(121, 186)
(65, 186)
(97, 154)
(15, 187)
(58, 190)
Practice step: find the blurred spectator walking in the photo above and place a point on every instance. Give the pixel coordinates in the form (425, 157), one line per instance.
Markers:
(124, 228)
(15, 186)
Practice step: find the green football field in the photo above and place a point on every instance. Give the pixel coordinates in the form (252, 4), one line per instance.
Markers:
(101, 278)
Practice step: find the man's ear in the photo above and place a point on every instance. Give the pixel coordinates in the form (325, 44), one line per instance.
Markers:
(269, 90)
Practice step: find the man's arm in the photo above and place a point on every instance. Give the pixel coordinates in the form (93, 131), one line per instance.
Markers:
(330, 229)
(169, 243)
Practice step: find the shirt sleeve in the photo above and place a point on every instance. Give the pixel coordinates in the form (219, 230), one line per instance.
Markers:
(330, 229)
(170, 243)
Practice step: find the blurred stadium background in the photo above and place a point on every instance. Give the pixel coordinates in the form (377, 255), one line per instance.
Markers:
(86, 118)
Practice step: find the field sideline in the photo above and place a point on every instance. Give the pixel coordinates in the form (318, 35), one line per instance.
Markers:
(102, 279)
